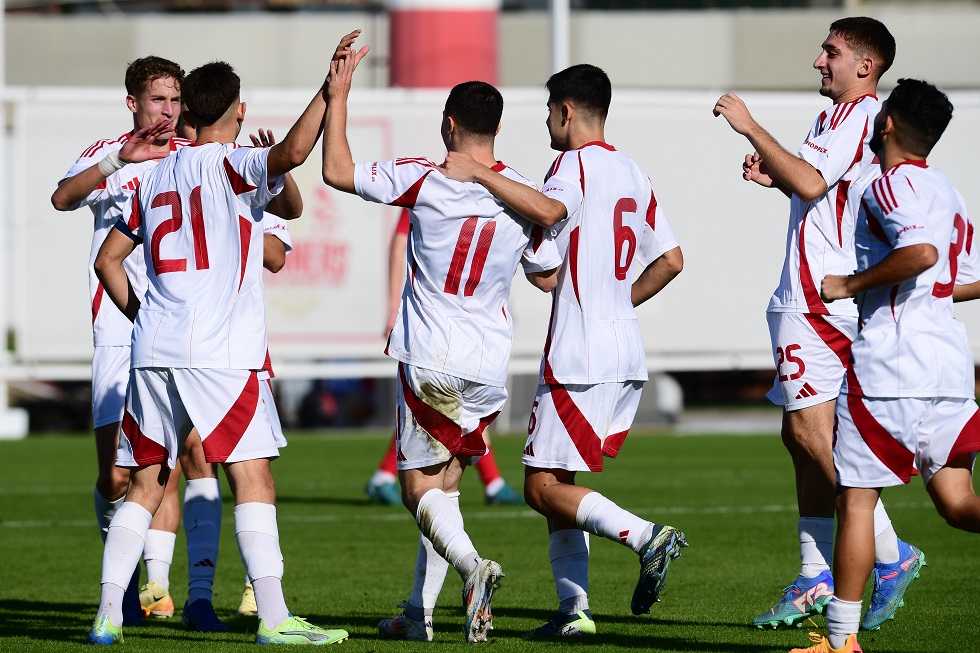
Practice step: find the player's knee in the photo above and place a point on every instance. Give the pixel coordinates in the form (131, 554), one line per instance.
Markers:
(114, 482)
(534, 494)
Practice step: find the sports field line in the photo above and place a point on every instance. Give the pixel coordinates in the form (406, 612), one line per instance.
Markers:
(486, 514)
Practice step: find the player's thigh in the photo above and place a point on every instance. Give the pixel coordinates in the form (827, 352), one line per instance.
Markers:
(110, 376)
(440, 416)
(225, 407)
(809, 352)
(875, 440)
(573, 426)
(155, 421)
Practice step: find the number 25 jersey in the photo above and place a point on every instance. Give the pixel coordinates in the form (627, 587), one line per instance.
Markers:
(594, 335)
(198, 215)
(464, 247)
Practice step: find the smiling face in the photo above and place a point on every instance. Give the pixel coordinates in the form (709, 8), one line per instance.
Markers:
(841, 69)
(160, 98)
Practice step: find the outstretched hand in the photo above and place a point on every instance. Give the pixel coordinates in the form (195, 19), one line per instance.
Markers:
(735, 112)
(343, 65)
(139, 146)
(264, 139)
(461, 166)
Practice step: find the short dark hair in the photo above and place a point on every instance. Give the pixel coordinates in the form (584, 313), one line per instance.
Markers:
(141, 72)
(584, 85)
(209, 90)
(867, 36)
(476, 107)
(920, 113)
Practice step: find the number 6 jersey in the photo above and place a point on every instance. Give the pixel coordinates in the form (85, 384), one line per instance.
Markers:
(594, 335)
(464, 247)
(197, 214)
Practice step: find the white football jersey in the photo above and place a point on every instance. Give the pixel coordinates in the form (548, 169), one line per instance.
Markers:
(276, 226)
(908, 343)
(464, 247)
(110, 328)
(594, 335)
(199, 213)
(820, 238)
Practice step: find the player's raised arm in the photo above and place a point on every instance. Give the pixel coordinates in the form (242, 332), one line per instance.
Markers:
(138, 148)
(338, 163)
(526, 200)
(109, 268)
(294, 149)
(288, 204)
(788, 171)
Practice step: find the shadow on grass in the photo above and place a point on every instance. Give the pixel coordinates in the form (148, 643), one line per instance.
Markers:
(334, 501)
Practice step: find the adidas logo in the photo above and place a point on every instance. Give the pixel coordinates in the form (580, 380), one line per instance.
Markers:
(623, 535)
(806, 600)
(529, 450)
(807, 391)
(204, 563)
(133, 184)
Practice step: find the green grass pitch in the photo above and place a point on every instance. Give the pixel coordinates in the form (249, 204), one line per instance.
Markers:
(348, 562)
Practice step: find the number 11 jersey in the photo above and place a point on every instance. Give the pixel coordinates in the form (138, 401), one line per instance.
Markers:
(464, 247)
(613, 216)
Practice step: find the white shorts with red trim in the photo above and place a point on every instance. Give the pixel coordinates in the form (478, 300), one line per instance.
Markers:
(573, 426)
(884, 442)
(811, 353)
(268, 399)
(440, 416)
(110, 376)
(164, 404)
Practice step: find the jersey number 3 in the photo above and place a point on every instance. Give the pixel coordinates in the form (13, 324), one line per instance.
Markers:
(172, 199)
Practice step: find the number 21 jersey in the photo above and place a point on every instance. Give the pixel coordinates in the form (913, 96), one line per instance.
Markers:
(594, 335)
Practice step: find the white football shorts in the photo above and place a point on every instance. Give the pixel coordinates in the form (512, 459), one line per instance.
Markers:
(573, 426)
(810, 352)
(164, 404)
(268, 400)
(110, 376)
(884, 442)
(440, 416)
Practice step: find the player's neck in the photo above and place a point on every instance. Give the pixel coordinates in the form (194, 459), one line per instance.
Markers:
(581, 137)
(894, 155)
(480, 153)
(857, 93)
(217, 133)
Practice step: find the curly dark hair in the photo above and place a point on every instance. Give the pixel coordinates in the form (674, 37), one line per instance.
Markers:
(141, 72)
(920, 113)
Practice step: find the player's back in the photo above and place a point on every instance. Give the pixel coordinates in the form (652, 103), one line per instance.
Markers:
(594, 335)
(909, 342)
(463, 251)
(198, 213)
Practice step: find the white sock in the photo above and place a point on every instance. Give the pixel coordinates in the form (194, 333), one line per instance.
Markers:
(886, 540)
(104, 510)
(123, 548)
(382, 478)
(494, 486)
(440, 520)
(816, 545)
(430, 573)
(569, 553)
(600, 516)
(158, 553)
(258, 541)
(843, 619)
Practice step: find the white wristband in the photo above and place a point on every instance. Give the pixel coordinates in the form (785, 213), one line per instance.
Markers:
(110, 164)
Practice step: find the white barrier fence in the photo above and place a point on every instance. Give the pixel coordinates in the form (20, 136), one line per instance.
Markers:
(326, 309)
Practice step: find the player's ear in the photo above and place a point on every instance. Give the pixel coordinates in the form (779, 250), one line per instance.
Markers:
(131, 102)
(498, 129)
(567, 111)
(866, 67)
(188, 117)
(241, 111)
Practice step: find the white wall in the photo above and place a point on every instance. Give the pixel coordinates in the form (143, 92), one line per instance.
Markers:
(329, 302)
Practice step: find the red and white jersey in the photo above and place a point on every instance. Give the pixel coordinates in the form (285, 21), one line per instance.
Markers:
(613, 215)
(968, 262)
(908, 343)
(464, 247)
(110, 328)
(820, 238)
(276, 226)
(199, 213)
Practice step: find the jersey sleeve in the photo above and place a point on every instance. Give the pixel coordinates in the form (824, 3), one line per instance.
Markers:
(91, 156)
(834, 149)
(968, 262)
(276, 226)
(656, 235)
(248, 172)
(541, 253)
(900, 213)
(395, 182)
(565, 182)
